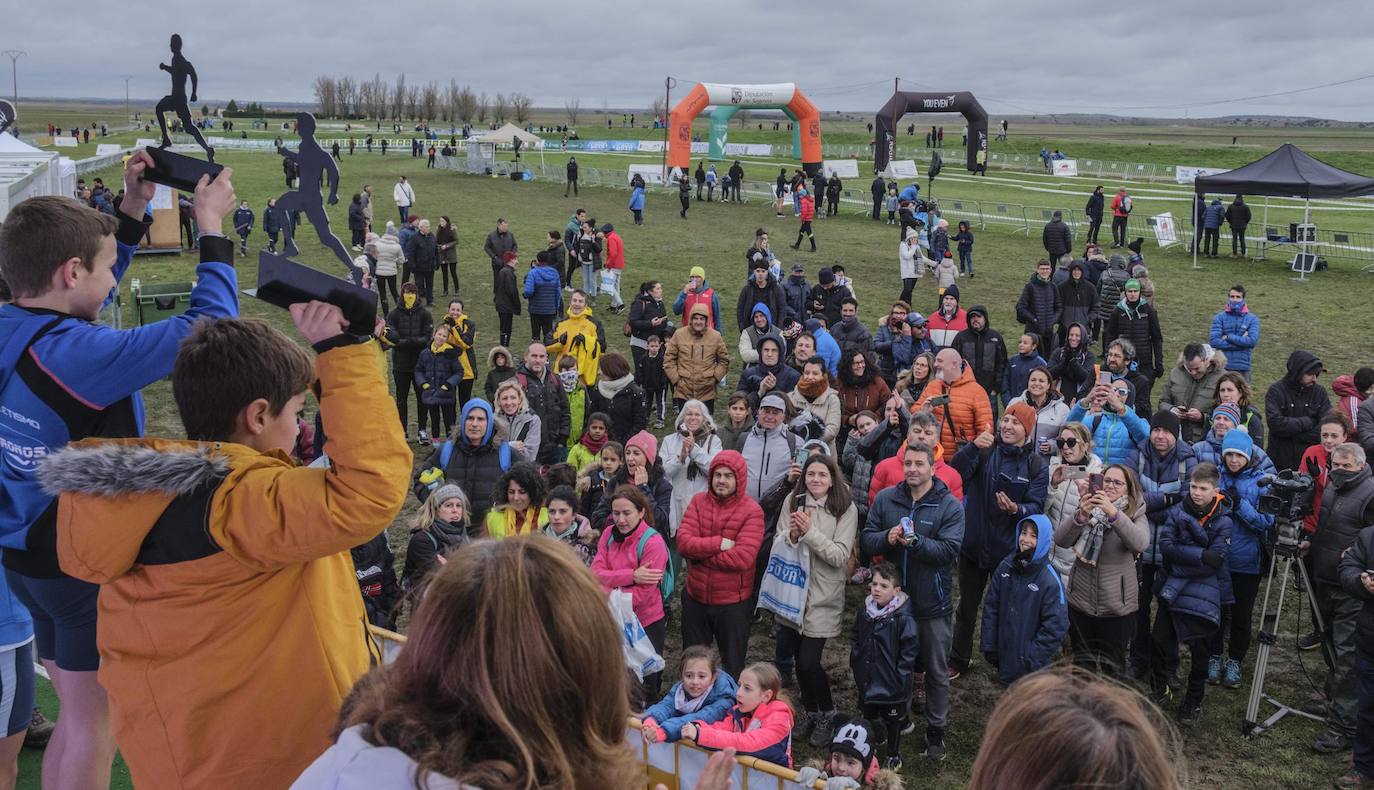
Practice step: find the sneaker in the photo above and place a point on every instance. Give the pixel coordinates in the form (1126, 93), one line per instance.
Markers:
(954, 672)
(1310, 641)
(934, 752)
(1331, 742)
(825, 730)
(862, 575)
(1353, 781)
(658, 423)
(894, 764)
(422, 438)
(1214, 670)
(357, 248)
(40, 731)
(804, 726)
(1190, 712)
(1162, 696)
(1231, 675)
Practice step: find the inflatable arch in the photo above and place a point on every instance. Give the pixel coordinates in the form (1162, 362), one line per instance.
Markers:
(729, 99)
(903, 102)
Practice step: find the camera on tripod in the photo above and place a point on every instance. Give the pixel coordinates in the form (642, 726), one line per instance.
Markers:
(1289, 500)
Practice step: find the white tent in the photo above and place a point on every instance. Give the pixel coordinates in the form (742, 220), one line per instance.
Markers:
(507, 134)
(25, 172)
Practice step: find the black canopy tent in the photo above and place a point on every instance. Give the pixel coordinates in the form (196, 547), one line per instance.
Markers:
(1286, 172)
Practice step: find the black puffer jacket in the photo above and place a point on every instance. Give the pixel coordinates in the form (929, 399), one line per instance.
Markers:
(550, 402)
(883, 653)
(1353, 565)
(409, 330)
(1110, 287)
(423, 253)
(628, 410)
(1139, 324)
(1292, 411)
(1039, 307)
(985, 352)
(643, 310)
(1074, 367)
(376, 570)
(1344, 513)
(474, 468)
(1058, 240)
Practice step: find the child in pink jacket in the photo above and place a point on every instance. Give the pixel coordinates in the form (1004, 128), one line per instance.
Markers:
(760, 723)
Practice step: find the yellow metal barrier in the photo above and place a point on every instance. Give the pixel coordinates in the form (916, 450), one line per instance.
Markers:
(674, 765)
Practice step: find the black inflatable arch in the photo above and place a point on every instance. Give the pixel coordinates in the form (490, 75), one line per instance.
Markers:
(903, 102)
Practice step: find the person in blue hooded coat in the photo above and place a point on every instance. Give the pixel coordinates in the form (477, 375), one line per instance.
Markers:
(826, 347)
(772, 361)
(761, 323)
(1194, 543)
(662, 722)
(473, 459)
(544, 290)
(1025, 614)
(1240, 481)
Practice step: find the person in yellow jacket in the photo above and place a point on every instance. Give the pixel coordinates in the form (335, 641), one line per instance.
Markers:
(462, 335)
(229, 626)
(581, 337)
(515, 508)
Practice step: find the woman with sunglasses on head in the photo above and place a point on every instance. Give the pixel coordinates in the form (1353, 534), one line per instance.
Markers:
(1073, 461)
(1106, 532)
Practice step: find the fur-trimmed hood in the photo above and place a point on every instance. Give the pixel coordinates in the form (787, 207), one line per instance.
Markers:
(113, 469)
(884, 779)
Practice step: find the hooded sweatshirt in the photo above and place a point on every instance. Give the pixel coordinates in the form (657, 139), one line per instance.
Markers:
(770, 294)
(750, 335)
(722, 576)
(785, 376)
(1025, 616)
(1293, 410)
(984, 350)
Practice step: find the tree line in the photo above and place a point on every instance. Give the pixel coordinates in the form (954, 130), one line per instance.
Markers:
(403, 100)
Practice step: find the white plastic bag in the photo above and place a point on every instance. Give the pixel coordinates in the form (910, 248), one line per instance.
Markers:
(640, 654)
(783, 591)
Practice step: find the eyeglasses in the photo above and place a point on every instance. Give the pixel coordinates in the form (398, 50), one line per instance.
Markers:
(1114, 483)
(1069, 443)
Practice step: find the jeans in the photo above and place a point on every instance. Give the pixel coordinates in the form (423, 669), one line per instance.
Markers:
(972, 581)
(878, 206)
(1099, 643)
(1210, 238)
(1238, 237)
(726, 625)
(358, 235)
(541, 326)
(404, 211)
(1341, 612)
(1094, 225)
(639, 215)
(1119, 231)
(589, 280)
(1140, 644)
(424, 281)
(966, 259)
(805, 652)
(1238, 617)
(935, 636)
(1164, 651)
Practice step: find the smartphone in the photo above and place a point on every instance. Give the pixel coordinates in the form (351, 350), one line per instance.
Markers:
(798, 503)
(683, 431)
(800, 457)
(1104, 378)
(1094, 482)
(938, 400)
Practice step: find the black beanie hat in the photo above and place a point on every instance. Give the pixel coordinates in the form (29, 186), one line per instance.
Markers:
(1364, 379)
(1165, 419)
(855, 738)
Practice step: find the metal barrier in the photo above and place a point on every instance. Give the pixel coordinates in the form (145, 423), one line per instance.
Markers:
(676, 765)
(93, 163)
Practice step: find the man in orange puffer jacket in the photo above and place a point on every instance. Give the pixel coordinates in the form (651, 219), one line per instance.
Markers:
(957, 401)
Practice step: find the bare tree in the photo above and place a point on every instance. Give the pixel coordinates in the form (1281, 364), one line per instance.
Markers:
(520, 107)
(398, 97)
(413, 101)
(429, 101)
(467, 104)
(348, 96)
(381, 92)
(500, 107)
(743, 116)
(482, 107)
(451, 94)
(656, 107)
(326, 95)
(572, 108)
(365, 100)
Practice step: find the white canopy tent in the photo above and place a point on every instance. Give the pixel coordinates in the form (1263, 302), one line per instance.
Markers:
(507, 135)
(26, 172)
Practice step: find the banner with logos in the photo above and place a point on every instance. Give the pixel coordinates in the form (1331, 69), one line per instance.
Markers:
(1065, 167)
(1184, 174)
(1166, 232)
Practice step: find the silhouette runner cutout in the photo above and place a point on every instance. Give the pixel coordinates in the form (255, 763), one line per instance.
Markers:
(180, 69)
(311, 162)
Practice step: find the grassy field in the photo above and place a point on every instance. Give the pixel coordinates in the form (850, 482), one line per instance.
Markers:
(1312, 315)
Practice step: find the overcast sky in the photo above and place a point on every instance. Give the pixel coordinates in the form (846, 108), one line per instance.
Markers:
(1032, 56)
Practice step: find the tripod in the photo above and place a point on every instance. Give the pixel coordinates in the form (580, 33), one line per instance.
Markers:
(1284, 555)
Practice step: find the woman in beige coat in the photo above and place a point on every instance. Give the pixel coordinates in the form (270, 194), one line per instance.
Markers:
(814, 395)
(1108, 530)
(820, 515)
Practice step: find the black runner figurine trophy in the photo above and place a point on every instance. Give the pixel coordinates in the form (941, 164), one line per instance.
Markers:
(7, 115)
(175, 170)
(282, 281)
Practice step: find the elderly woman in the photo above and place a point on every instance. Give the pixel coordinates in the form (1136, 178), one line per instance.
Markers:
(686, 456)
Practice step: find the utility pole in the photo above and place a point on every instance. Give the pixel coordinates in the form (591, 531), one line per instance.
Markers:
(668, 84)
(14, 55)
(128, 118)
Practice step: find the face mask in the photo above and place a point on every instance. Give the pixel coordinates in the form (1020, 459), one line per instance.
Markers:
(568, 378)
(409, 300)
(1339, 477)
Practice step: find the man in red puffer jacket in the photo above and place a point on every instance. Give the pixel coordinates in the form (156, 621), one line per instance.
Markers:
(720, 536)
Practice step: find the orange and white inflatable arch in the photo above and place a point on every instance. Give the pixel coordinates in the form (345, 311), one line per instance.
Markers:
(728, 99)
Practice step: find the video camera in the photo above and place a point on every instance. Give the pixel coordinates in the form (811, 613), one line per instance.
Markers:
(1289, 500)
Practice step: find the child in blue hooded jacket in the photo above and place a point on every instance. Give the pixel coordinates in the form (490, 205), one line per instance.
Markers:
(1240, 481)
(704, 694)
(1025, 614)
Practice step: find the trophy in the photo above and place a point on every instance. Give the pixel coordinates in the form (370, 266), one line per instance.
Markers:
(7, 116)
(282, 281)
(172, 169)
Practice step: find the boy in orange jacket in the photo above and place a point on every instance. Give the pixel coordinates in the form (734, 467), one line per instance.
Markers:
(230, 626)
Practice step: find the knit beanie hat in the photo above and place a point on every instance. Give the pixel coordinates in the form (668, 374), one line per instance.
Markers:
(1131, 285)
(697, 271)
(1167, 420)
(1364, 379)
(854, 738)
(826, 276)
(1237, 441)
(1025, 415)
(446, 492)
(951, 290)
(1231, 413)
(647, 444)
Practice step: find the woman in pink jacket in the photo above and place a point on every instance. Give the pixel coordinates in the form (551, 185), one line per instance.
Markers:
(632, 557)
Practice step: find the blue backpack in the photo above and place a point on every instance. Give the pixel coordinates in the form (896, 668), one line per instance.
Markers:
(668, 584)
(446, 453)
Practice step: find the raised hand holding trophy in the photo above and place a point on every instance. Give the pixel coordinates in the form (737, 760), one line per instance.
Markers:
(282, 281)
(172, 169)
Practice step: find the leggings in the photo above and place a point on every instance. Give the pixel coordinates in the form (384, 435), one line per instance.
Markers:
(541, 326)
(658, 634)
(1237, 618)
(908, 285)
(805, 651)
(449, 269)
(405, 381)
(440, 415)
(892, 718)
(464, 395)
(387, 282)
(507, 322)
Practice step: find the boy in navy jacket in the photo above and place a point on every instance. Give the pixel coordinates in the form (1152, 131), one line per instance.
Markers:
(1025, 615)
(243, 225)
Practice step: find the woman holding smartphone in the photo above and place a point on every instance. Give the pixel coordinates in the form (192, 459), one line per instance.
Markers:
(820, 516)
(1072, 463)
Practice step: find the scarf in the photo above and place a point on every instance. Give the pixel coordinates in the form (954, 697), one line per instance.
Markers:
(439, 349)
(893, 605)
(594, 445)
(449, 534)
(609, 388)
(685, 705)
(814, 389)
(1089, 544)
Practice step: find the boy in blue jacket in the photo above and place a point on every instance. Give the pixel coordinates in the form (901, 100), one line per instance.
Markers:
(1193, 543)
(64, 377)
(1025, 615)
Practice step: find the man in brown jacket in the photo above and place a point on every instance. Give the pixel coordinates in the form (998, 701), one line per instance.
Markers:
(696, 360)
